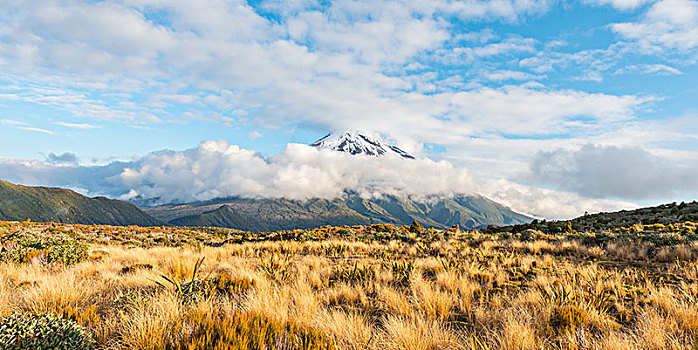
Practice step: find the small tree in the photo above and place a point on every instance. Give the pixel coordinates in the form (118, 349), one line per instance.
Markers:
(416, 227)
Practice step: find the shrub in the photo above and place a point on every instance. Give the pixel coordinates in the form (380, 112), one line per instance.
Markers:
(201, 288)
(33, 248)
(277, 267)
(401, 271)
(353, 274)
(23, 331)
(416, 227)
(222, 283)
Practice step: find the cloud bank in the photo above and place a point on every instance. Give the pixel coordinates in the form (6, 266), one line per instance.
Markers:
(613, 171)
(218, 169)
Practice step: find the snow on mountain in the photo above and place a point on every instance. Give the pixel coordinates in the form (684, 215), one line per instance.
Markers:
(357, 143)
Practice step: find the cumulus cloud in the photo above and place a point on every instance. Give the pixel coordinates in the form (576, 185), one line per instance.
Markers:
(217, 169)
(62, 158)
(613, 172)
(547, 203)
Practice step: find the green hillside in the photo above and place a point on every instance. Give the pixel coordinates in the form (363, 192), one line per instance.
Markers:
(664, 214)
(43, 204)
(18, 203)
(281, 214)
(661, 214)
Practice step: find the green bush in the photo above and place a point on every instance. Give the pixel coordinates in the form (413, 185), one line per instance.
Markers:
(416, 227)
(24, 331)
(29, 247)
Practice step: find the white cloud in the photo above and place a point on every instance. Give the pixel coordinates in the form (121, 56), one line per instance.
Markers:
(671, 24)
(337, 66)
(613, 172)
(549, 204)
(508, 46)
(524, 111)
(483, 36)
(658, 69)
(502, 75)
(141, 46)
(83, 126)
(11, 122)
(217, 169)
(623, 5)
(28, 128)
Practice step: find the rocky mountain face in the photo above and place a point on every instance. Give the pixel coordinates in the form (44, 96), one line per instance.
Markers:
(43, 204)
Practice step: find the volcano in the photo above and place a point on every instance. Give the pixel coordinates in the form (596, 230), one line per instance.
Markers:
(357, 143)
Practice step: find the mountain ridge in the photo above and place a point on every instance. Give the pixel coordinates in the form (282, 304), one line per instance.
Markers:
(18, 203)
(472, 211)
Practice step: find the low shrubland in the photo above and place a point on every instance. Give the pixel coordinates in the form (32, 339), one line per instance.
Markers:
(363, 287)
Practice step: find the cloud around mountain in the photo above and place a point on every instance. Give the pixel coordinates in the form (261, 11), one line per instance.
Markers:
(218, 169)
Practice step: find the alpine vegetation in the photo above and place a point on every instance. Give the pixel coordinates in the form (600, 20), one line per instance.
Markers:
(542, 285)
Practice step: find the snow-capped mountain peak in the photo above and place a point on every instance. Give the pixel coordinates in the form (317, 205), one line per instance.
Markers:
(358, 143)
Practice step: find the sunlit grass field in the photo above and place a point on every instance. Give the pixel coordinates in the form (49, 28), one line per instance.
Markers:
(362, 287)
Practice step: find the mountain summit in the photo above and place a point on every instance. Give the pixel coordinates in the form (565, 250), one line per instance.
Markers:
(358, 143)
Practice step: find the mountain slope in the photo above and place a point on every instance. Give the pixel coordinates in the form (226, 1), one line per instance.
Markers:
(18, 203)
(259, 214)
(281, 214)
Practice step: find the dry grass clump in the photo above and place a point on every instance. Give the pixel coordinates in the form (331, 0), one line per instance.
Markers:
(432, 290)
(242, 330)
(416, 333)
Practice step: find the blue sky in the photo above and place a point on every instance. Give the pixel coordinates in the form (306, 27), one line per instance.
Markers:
(580, 105)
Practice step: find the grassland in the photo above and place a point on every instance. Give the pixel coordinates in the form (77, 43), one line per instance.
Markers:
(362, 287)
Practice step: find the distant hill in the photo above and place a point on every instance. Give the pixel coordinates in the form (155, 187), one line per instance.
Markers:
(18, 203)
(662, 214)
(281, 214)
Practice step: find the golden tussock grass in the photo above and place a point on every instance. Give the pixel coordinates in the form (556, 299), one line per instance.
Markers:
(463, 291)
